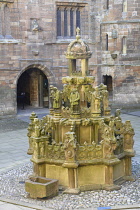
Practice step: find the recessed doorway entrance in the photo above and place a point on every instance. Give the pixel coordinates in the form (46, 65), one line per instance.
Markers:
(107, 80)
(32, 89)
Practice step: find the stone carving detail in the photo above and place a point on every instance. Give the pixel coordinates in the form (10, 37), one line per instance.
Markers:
(105, 100)
(55, 96)
(85, 112)
(74, 99)
(128, 136)
(30, 133)
(78, 49)
(96, 102)
(80, 133)
(66, 112)
(56, 152)
(37, 132)
(109, 140)
(35, 26)
(89, 152)
(70, 148)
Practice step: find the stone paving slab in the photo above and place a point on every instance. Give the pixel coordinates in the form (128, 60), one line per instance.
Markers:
(13, 149)
(137, 113)
(6, 204)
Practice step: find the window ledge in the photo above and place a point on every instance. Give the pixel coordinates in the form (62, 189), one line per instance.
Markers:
(68, 40)
(8, 1)
(64, 40)
(9, 41)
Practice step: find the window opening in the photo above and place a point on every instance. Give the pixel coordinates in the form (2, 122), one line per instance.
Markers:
(107, 80)
(124, 47)
(107, 4)
(68, 18)
(106, 42)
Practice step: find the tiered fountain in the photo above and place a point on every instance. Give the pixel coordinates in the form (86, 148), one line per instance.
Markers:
(80, 143)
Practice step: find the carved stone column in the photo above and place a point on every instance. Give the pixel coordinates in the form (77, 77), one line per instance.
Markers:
(30, 133)
(70, 162)
(109, 183)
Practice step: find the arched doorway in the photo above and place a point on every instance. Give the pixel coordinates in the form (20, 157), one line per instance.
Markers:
(32, 89)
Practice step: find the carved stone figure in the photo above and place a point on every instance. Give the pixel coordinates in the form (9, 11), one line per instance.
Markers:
(35, 25)
(65, 95)
(51, 96)
(118, 113)
(74, 100)
(37, 128)
(109, 140)
(105, 100)
(55, 98)
(128, 136)
(96, 101)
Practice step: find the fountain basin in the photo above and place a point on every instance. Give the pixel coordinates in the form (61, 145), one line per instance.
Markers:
(40, 187)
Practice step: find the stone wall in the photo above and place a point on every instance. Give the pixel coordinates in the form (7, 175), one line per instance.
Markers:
(122, 21)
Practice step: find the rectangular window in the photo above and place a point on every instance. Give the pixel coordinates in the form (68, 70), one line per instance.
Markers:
(68, 18)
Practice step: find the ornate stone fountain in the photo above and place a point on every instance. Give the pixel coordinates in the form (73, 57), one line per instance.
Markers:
(80, 143)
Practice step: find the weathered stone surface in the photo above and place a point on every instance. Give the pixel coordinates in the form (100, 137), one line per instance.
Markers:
(40, 187)
(80, 143)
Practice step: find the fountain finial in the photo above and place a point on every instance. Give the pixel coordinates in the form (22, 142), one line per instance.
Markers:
(78, 33)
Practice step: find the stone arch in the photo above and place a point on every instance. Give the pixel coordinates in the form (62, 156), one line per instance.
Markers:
(33, 83)
(49, 74)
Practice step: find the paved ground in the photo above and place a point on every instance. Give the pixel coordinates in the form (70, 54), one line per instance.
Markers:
(14, 145)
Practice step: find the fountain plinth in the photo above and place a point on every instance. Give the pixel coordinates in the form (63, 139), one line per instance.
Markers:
(80, 143)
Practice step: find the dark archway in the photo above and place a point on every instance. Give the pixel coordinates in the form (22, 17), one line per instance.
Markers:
(32, 89)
